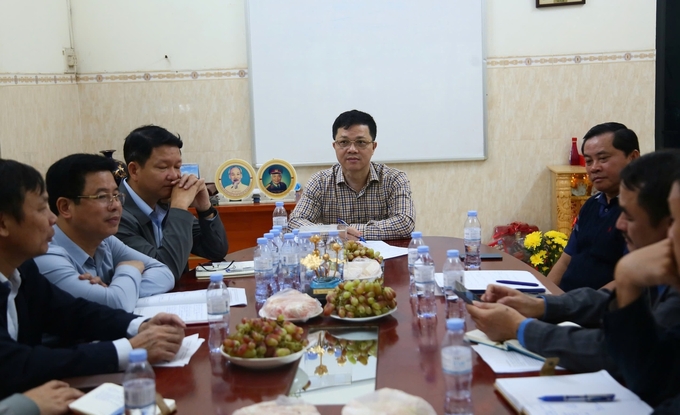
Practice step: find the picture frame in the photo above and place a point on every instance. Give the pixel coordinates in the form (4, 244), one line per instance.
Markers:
(273, 184)
(235, 179)
(552, 3)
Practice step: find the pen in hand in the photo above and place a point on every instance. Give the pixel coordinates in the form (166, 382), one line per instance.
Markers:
(342, 222)
(522, 283)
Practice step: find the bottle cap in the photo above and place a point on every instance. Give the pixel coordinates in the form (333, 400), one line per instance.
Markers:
(269, 235)
(288, 236)
(279, 204)
(304, 235)
(423, 248)
(455, 324)
(279, 227)
(574, 138)
(276, 232)
(452, 253)
(472, 213)
(137, 355)
(416, 234)
(333, 233)
(296, 231)
(216, 276)
(262, 241)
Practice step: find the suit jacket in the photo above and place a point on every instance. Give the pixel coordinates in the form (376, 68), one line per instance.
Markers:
(647, 354)
(44, 308)
(183, 234)
(582, 349)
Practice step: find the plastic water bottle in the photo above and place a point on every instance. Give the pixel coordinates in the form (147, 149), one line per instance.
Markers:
(289, 276)
(280, 216)
(453, 272)
(139, 385)
(424, 280)
(416, 241)
(305, 247)
(278, 237)
(263, 269)
(296, 232)
(217, 299)
(472, 239)
(457, 367)
(276, 259)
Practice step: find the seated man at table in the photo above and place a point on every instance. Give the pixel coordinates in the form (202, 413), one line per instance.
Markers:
(375, 200)
(595, 244)
(646, 352)
(30, 306)
(156, 219)
(644, 220)
(84, 196)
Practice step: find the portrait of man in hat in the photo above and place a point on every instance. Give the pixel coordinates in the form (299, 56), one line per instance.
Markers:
(276, 185)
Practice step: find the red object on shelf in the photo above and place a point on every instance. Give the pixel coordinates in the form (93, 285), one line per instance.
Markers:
(574, 157)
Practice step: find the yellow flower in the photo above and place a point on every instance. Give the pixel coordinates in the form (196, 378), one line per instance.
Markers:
(533, 240)
(537, 258)
(555, 235)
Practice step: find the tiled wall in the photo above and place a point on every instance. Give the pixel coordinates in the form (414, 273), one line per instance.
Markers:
(535, 104)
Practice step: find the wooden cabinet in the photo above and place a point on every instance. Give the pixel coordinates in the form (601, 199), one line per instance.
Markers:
(564, 204)
(244, 223)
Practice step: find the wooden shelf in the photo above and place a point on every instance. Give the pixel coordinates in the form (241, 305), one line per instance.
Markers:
(564, 205)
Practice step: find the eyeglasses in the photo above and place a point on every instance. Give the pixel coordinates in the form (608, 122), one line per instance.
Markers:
(214, 267)
(105, 199)
(357, 143)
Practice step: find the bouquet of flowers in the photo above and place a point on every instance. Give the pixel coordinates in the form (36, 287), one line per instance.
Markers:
(544, 249)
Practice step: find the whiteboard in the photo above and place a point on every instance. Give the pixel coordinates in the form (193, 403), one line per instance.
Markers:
(418, 67)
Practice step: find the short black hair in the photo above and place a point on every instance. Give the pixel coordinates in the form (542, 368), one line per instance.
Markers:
(354, 117)
(652, 176)
(625, 139)
(66, 177)
(139, 144)
(15, 180)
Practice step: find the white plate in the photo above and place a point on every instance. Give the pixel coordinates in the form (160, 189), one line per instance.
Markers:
(356, 335)
(360, 319)
(262, 314)
(265, 362)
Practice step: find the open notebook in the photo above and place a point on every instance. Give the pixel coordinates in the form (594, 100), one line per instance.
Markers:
(190, 306)
(523, 394)
(107, 399)
(476, 281)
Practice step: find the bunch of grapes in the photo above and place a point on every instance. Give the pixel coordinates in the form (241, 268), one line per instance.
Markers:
(360, 298)
(354, 350)
(261, 337)
(354, 250)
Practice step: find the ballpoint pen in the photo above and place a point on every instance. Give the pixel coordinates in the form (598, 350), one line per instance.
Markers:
(522, 283)
(605, 397)
(342, 222)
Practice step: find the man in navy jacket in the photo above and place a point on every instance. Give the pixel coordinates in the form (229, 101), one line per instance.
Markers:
(30, 306)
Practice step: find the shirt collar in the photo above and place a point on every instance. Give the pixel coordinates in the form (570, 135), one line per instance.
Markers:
(141, 204)
(14, 279)
(372, 174)
(73, 250)
(602, 200)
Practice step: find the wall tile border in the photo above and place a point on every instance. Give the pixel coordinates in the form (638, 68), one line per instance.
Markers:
(214, 74)
(576, 59)
(94, 78)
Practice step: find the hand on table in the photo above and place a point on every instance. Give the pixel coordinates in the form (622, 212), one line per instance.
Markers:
(161, 336)
(93, 279)
(53, 397)
(499, 322)
(526, 305)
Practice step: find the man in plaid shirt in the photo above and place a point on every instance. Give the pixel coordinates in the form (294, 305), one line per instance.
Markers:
(375, 200)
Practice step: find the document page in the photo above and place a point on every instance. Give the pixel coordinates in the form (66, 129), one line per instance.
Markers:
(386, 250)
(237, 296)
(477, 281)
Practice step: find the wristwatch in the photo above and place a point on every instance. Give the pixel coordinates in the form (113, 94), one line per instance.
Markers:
(205, 214)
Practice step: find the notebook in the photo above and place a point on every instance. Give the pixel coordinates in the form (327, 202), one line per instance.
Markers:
(476, 281)
(523, 394)
(478, 336)
(190, 306)
(108, 399)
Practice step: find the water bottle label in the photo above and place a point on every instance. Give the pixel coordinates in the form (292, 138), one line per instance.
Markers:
(139, 393)
(456, 360)
(412, 256)
(280, 220)
(473, 234)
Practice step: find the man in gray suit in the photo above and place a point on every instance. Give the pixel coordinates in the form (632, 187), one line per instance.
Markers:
(156, 220)
(645, 219)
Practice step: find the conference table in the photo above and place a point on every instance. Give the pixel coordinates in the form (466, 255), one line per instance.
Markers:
(408, 351)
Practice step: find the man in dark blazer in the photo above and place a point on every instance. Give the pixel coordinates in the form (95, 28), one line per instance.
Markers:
(156, 220)
(31, 306)
(645, 220)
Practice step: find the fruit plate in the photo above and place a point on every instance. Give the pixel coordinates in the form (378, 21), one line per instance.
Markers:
(316, 313)
(360, 319)
(265, 362)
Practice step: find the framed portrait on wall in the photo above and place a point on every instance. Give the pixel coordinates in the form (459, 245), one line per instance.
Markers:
(276, 178)
(235, 179)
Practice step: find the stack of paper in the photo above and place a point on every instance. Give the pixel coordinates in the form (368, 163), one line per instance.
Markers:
(386, 250)
(107, 399)
(189, 346)
(190, 306)
(524, 393)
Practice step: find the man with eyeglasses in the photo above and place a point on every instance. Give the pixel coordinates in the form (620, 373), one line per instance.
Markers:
(84, 258)
(375, 200)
